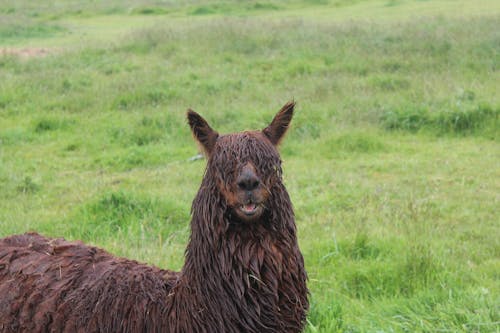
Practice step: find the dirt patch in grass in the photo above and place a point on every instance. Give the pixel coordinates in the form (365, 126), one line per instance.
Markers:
(26, 52)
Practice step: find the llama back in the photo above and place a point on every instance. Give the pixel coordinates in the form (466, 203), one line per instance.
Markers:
(56, 285)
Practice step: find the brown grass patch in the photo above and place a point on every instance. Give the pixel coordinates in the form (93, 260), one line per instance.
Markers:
(26, 52)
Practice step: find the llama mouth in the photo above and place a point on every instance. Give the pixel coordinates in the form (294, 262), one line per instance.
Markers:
(249, 209)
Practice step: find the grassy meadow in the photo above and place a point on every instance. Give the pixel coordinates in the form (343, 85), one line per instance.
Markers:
(392, 162)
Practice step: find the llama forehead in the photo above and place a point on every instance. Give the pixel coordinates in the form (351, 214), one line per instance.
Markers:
(235, 150)
(246, 146)
(242, 137)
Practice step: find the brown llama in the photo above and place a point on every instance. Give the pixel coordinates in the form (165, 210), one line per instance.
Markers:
(243, 270)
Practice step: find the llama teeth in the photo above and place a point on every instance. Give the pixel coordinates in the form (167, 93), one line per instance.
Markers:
(249, 208)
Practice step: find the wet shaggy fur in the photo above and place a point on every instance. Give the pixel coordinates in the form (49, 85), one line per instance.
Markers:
(240, 275)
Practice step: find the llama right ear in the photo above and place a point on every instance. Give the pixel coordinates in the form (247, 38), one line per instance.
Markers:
(203, 133)
(278, 127)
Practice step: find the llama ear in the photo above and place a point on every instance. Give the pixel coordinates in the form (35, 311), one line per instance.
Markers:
(203, 133)
(278, 127)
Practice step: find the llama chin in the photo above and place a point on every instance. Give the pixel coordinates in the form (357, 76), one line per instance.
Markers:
(243, 269)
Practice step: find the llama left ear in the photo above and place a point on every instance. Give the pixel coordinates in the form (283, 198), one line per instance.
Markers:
(278, 127)
(203, 133)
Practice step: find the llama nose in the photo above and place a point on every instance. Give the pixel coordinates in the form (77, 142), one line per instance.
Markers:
(248, 181)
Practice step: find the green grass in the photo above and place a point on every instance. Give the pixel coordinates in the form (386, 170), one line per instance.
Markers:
(17, 31)
(391, 163)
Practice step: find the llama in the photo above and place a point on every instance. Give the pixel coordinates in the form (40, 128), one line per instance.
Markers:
(243, 269)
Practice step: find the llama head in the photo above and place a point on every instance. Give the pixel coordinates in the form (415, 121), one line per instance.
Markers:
(243, 167)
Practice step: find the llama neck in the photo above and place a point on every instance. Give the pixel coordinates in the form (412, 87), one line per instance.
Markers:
(244, 277)
(237, 258)
(241, 277)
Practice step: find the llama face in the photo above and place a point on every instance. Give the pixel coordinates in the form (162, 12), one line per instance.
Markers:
(244, 166)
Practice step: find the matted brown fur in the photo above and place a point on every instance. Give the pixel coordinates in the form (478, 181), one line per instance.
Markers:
(243, 270)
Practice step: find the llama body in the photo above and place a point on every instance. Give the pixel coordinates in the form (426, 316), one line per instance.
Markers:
(51, 285)
(243, 270)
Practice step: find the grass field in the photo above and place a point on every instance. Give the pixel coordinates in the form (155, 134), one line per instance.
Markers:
(392, 163)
